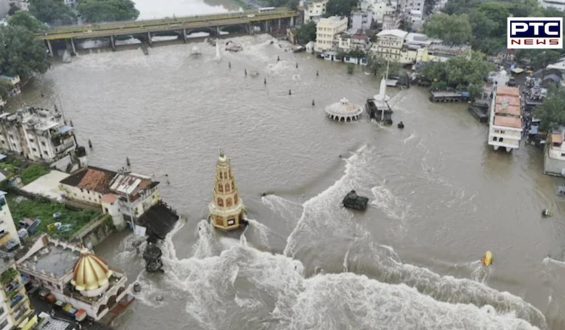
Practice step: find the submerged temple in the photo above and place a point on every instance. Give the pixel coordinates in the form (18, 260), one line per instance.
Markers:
(227, 211)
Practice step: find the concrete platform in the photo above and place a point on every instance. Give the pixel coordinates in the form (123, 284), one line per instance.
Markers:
(47, 185)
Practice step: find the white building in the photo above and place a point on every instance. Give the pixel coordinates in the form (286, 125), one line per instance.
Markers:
(74, 276)
(327, 30)
(361, 20)
(314, 11)
(37, 134)
(21, 4)
(380, 8)
(389, 45)
(406, 6)
(8, 232)
(15, 309)
(505, 122)
(123, 195)
(557, 4)
(554, 157)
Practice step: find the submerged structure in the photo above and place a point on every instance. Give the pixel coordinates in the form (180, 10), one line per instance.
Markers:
(378, 108)
(343, 111)
(227, 211)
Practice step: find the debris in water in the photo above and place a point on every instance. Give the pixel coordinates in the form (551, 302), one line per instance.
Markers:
(487, 259)
(245, 71)
(289, 92)
(354, 201)
(152, 256)
(136, 287)
(89, 144)
(546, 213)
(278, 58)
(400, 125)
(313, 102)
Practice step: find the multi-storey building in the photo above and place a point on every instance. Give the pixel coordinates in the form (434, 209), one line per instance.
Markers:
(37, 134)
(315, 10)
(15, 309)
(9, 238)
(361, 20)
(327, 30)
(389, 45)
(505, 121)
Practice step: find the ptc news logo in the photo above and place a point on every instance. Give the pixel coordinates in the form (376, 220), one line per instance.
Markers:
(534, 32)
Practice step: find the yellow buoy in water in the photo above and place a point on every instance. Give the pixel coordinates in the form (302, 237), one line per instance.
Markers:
(487, 259)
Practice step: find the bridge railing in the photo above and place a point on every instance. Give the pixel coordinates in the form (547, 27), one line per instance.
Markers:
(99, 27)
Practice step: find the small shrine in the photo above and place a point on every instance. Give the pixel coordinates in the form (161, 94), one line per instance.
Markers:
(227, 211)
(343, 111)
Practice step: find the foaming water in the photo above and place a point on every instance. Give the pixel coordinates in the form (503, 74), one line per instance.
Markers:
(445, 180)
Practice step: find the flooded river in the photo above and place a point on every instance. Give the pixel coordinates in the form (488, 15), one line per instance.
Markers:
(149, 9)
(439, 197)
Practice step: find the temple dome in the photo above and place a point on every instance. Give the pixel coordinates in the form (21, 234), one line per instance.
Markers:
(91, 275)
(344, 110)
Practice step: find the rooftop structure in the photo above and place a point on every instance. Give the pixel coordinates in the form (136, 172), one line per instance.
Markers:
(505, 123)
(343, 111)
(315, 10)
(123, 195)
(377, 107)
(36, 133)
(227, 211)
(74, 276)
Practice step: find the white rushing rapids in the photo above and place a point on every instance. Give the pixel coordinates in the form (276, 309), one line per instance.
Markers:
(246, 288)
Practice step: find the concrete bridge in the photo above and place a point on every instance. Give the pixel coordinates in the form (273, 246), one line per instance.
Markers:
(263, 19)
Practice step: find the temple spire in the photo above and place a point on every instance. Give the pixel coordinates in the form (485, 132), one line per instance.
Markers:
(227, 211)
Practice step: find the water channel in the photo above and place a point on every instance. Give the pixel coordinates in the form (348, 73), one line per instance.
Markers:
(439, 196)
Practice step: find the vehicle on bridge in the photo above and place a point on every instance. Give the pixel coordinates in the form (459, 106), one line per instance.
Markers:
(266, 9)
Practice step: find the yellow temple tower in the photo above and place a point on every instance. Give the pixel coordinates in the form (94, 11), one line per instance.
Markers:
(227, 211)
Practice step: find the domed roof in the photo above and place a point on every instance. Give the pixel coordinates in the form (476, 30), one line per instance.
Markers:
(344, 108)
(90, 272)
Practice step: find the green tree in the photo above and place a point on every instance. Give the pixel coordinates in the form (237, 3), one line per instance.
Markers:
(53, 12)
(306, 33)
(26, 21)
(452, 29)
(20, 53)
(340, 7)
(552, 111)
(460, 73)
(107, 10)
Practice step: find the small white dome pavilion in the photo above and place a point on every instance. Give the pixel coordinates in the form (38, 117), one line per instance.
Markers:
(344, 111)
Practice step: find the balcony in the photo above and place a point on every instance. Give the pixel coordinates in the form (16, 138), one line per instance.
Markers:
(17, 300)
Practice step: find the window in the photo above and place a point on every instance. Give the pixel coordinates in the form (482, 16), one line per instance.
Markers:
(43, 143)
(31, 140)
(494, 138)
(45, 152)
(220, 187)
(228, 202)
(220, 202)
(34, 150)
(500, 140)
(227, 187)
(221, 175)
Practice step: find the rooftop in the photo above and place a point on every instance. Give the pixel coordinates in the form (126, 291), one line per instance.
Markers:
(91, 178)
(394, 32)
(54, 259)
(508, 121)
(344, 108)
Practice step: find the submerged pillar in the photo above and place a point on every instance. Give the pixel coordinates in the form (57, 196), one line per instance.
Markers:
(279, 23)
(73, 47)
(149, 42)
(184, 35)
(112, 43)
(48, 42)
(291, 21)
